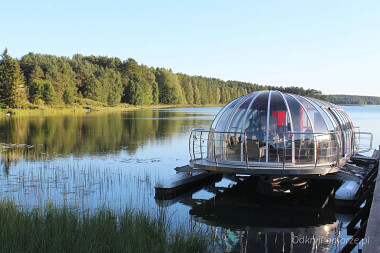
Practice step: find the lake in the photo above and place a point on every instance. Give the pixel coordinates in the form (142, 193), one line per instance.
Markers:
(113, 159)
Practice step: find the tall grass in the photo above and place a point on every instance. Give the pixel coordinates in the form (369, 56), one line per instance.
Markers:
(65, 230)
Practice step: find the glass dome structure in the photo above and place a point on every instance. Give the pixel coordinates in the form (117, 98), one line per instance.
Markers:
(270, 132)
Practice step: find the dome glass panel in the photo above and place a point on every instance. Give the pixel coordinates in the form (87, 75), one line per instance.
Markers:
(271, 128)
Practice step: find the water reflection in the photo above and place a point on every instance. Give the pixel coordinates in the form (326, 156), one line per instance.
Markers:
(95, 160)
(316, 239)
(95, 133)
(242, 205)
(243, 219)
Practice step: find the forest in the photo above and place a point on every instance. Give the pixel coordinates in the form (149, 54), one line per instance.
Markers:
(39, 79)
(353, 100)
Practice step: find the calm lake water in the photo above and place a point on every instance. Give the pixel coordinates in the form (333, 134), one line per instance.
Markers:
(114, 159)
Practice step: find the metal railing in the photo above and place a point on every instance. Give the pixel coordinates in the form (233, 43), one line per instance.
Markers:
(363, 141)
(286, 148)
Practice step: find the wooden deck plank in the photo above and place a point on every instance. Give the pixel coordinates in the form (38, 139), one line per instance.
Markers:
(372, 243)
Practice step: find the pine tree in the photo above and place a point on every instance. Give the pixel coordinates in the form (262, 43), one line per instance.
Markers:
(211, 98)
(197, 95)
(217, 95)
(155, 93)
(41, 90)
(48, 93)
(35, 91)
(37, 73)
(12, 91)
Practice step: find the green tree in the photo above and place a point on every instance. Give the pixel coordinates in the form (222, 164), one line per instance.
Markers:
(99, 78)
(187, 87)
(41, 90)
(68, 96)
(112, 86)
(12, 91)
(37, 73)
(139, 92)
(155, 93)
(91, 87)
(35, 91)
(197, 95)
(48, 93)
(217, 95)
(140, 86)
(226, 97)
(133, 91)
(170, 91)
(211, 96)
(61, 75)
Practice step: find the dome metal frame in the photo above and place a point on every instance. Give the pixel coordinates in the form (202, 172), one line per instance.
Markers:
(272, 133)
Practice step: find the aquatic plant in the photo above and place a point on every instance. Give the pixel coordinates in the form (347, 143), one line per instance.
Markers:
(67, 230)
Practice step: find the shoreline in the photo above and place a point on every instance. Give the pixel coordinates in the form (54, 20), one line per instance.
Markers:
(47, 111)
(82, 109)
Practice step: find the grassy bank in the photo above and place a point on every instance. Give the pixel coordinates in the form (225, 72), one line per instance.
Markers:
(43, 111)
(63, 230)
(51, 111)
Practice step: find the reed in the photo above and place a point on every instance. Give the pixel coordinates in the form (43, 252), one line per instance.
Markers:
(66, 230)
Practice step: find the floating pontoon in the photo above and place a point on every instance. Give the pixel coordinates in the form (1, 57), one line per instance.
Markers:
(275, 133)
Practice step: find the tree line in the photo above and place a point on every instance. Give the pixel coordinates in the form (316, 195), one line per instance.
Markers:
(39, 79)
(354, 100)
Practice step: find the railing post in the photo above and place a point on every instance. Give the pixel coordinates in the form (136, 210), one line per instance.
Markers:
(200, 145)
(316, 153)
(315, 149)
(241, 147)
(284, 153)
(191, 135)
(337, 148)
(246, 148)
(213, 144)
(293, 149)
(195, 159)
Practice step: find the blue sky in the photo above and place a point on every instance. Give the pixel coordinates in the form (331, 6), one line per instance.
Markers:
(332, 46)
